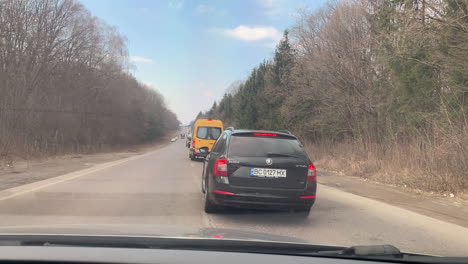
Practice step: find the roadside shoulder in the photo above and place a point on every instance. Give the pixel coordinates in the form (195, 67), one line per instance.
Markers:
(40, 170)
(452, 210)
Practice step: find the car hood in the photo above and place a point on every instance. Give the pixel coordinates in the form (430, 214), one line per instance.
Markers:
(148, 230)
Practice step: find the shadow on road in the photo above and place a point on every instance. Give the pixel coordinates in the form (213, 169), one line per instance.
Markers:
(265, 216)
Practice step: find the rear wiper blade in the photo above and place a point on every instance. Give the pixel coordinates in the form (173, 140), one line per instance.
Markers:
(270, 154)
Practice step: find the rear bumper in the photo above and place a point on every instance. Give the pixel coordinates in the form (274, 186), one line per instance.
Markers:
(200, 155)
(264, 198)
(197, 155)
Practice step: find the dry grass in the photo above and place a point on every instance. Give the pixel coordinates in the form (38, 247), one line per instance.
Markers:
(20, 159)
(439, 164)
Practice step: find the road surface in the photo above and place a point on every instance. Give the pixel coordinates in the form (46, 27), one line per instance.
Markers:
(162, 188)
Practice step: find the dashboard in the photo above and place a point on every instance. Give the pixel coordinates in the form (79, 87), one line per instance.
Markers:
(65, 254)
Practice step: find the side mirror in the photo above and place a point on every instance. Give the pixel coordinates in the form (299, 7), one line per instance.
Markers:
(203, 150)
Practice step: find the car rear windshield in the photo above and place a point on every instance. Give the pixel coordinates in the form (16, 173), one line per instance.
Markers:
(208, 132)
(254, 146)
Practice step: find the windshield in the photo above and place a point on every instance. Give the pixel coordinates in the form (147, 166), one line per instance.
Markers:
(124, 118)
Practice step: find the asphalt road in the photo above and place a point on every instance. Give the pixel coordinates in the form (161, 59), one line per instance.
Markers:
(162, 189)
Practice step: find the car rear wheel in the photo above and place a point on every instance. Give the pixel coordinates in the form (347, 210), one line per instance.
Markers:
(203, 186)
(210, 207)
(304, 210)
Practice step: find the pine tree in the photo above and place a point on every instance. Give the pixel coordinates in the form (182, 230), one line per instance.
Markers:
(283, 60)
(200, 115)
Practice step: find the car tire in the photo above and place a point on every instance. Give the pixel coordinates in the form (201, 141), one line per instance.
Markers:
(210, 207)
(203, 188)
(305, 210)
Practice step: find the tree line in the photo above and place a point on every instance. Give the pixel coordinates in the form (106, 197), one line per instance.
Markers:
(385, 76)
(65, 83)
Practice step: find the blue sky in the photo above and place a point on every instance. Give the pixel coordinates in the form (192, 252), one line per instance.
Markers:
(190, 51)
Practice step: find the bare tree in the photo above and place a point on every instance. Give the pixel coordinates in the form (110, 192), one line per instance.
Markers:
(64, 83)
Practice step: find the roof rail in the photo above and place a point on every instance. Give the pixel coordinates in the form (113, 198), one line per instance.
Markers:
(230, 128)
(285, 131)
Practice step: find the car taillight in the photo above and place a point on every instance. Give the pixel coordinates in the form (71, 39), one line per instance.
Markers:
(193, 143)
(220, 168)
(311, 173)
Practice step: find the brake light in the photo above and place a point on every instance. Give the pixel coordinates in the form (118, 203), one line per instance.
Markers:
(311, 173)
(220, 168)
(193, 143)
(308, 197)
(210, 119)
(265, 134)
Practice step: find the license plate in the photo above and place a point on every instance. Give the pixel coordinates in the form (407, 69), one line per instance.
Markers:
(268, 173)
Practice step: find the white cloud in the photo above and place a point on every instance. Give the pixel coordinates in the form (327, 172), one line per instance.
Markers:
(206, 9)
(176, 4)
(141, 59)
(266, 3)
(272, 8)
(203, 9)
(254, 33)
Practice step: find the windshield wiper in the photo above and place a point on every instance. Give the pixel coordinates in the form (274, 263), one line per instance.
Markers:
(365, 251)
(270, 154)
(386, 253)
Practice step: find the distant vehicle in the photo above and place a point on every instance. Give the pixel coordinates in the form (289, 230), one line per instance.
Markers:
(205, 133)
(187, 141)
(174, 139)
(182, 136)
(258, 169)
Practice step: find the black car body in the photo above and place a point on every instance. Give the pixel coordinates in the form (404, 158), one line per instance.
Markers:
(258, 169)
